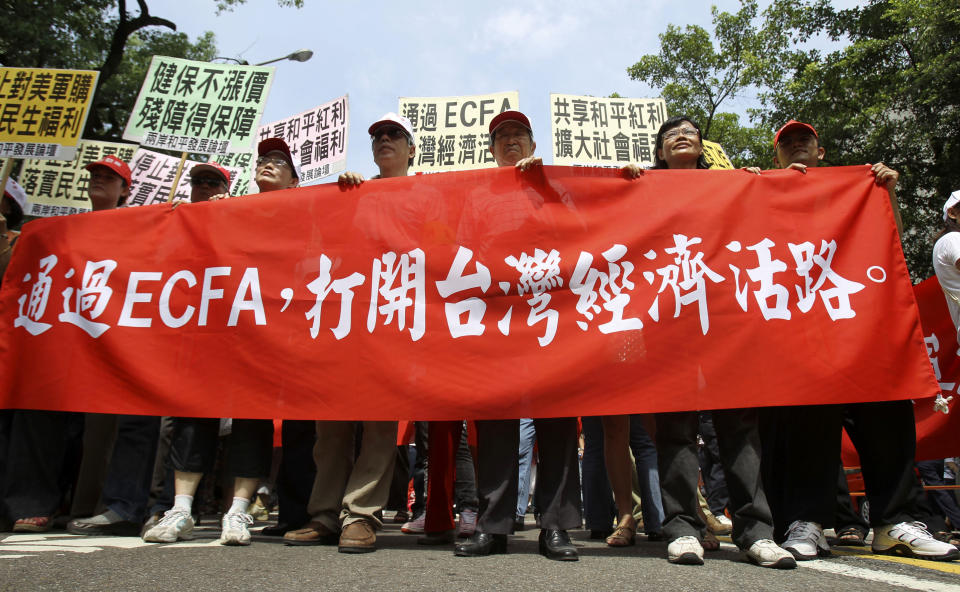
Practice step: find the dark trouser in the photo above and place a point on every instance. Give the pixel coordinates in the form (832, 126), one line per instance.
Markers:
(297, 471)
(42, 452)
(422, 449)
(250, 450)
(557, 493)
(679, 464)
(802, 451)
(126, 488)
(599, 509)
(714, 483)
(846, 516)
(400, 485)
(942, 500)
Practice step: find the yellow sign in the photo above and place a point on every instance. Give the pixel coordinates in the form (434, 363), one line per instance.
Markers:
(715, 155)
(56, 188)
(43, 112)
(452, 132)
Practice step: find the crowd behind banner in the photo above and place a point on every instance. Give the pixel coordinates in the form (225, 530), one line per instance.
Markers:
(772, 476)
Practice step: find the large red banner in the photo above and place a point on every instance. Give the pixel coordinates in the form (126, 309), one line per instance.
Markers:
(483, 294)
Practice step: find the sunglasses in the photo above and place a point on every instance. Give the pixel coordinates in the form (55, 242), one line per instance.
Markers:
(207, 181)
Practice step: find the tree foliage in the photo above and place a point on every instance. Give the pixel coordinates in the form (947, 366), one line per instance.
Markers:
(889, 92)
(95, 35)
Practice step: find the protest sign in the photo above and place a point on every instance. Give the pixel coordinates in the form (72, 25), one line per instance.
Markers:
(317, 139)
(199, 107)
(59, 187)
(452, 132)
(601, 131)
(43, 112)
(482, 294)
(154, 174)
(715, 155)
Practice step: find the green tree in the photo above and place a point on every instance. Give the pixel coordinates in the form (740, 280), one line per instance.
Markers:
(698, 73)
(889, 92)
(95, 35)
(892, 94)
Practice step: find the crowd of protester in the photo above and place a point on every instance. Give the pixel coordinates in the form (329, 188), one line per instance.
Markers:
(771, 478)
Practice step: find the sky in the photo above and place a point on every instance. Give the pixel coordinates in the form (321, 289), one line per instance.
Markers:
(378, 51)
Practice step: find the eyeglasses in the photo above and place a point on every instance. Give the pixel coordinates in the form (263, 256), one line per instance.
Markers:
(208, 181)
(392, 132)
(274, 160)
(680, 131)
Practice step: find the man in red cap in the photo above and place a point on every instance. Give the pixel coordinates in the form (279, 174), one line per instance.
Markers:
(109, 185)
(207, 180)
(193, 443)
(498, 441)
(801, 444)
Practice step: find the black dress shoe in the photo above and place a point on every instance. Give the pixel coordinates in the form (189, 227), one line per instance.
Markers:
(279, 530)
(555, 544)
(518, 523)
(482, 544)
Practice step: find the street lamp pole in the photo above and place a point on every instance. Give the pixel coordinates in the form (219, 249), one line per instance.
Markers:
(301, 55)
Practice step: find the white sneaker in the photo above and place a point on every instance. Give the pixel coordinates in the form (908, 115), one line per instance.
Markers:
(766, 553)
(176, 525)
(468, 523)
(913, 540)
(235, 529)
(416, 525)
(685, 550)
(805, 541)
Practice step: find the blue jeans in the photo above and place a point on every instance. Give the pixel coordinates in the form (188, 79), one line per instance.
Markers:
(527, 436)
(598, 505)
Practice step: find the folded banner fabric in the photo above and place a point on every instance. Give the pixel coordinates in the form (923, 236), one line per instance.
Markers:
(938, 434)
(481, 294)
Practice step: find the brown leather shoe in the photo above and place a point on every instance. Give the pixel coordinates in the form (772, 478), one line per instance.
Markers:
(314, 533)
(358, 537)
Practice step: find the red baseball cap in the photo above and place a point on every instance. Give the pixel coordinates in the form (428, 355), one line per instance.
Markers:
(792, 125)
(212, 167)
(509, 115)
(277, 144)
(113, 163)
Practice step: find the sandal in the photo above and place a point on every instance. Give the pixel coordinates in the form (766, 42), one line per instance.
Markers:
(624, 535)
(710, 542)
(33, 524)
(851, 536)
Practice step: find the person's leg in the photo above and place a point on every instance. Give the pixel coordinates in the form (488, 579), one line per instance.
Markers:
(558, 475)
(465, 486)
(849, 525)
(38, 451)
(443, 436)
(931, 472)
(884, 434)
(297, 474)
(645, 457)
(126, 488)
(739, 442)
(193, 448)
(616, 447)
(497, 475)
(679, 468)
(421, 438)
(598, 507)
(714, 482)
(527, 436)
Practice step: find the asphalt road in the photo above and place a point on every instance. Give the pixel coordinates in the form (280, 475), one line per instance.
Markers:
(60, 561)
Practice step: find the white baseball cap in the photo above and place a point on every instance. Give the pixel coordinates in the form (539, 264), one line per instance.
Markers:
(951, 201)
(393, 119)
